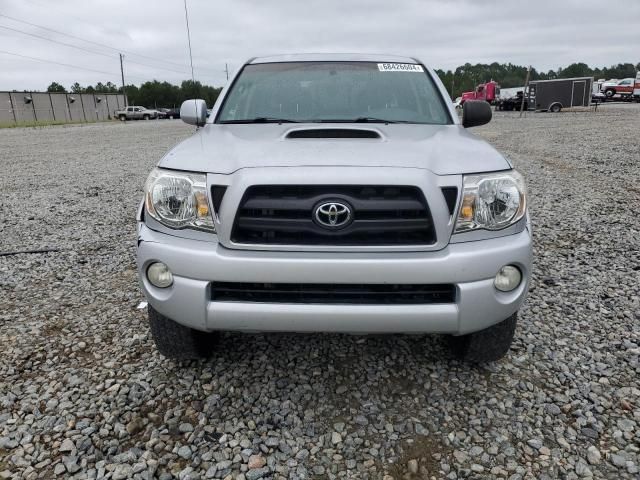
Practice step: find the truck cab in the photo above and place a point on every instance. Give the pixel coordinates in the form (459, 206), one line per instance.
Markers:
(489, 92)
(622, 87)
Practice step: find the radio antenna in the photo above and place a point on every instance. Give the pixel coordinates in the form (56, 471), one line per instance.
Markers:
(193, 77)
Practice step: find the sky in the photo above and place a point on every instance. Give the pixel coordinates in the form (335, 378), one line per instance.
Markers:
(546, 34)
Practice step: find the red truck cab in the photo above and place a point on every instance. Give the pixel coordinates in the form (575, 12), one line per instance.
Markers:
(626, 87)
(489, 92)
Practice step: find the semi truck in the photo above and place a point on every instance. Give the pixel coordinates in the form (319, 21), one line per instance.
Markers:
(489, 92)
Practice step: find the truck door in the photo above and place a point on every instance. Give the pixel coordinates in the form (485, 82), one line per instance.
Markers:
(480, 93)
(625, 87)
(578, 93)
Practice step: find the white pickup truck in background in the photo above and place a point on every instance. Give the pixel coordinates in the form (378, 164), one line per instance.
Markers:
(136, 113)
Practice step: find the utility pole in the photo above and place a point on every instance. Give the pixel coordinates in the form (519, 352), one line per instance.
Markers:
(526, 88)
(122, 74)
(452, 97)
(226, 71)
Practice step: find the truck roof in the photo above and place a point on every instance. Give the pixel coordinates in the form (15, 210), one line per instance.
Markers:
(334, 57)
(561, 79)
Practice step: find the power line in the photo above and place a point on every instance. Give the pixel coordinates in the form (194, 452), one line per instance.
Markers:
(93, 42)
(86, 49)
(186, 17)
(60, 63)
(161, 68)
(55, 41)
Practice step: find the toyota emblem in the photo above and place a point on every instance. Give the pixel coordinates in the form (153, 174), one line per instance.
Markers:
(333, 214)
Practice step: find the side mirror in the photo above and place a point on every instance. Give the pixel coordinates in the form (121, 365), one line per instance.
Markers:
(475, 112)
(194, 112)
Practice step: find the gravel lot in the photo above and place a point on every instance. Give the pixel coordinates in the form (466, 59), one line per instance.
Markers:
(83, 392)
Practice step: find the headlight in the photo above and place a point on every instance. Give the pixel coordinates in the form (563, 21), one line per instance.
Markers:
(491, 201)
(179, 199)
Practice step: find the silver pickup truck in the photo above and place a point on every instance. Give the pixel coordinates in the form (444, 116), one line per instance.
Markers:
(136, 113)
(334, 193)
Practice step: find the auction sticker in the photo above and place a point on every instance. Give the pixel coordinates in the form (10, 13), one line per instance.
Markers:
(400, 67)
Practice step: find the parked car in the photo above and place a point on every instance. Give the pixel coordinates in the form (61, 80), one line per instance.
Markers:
(136, 113)
(334, 193)
(169, 113)
(515, 102)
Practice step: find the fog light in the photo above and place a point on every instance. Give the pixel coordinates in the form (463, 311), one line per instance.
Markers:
(159, 275)
(508, 278)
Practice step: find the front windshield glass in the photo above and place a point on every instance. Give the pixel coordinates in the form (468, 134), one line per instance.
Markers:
(334, 92)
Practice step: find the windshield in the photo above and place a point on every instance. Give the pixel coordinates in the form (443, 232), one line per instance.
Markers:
(334, 92)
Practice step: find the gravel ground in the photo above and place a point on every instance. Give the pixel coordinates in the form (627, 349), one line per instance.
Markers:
(84, 394)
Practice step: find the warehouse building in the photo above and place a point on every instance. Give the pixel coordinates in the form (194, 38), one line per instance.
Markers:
(31, 107)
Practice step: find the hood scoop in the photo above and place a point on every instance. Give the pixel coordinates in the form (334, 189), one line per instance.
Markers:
(333, 133)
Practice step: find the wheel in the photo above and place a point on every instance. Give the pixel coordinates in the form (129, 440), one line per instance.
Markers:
(122, 118)
(170, 117)
(487, 345)
(555, 108)
(610, 92)
(146, 117)
(178, 342)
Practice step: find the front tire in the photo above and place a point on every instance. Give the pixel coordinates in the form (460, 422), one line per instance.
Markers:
(147, 117)
(178, 342)
(555, 108)
(487, 345)
(609, 93)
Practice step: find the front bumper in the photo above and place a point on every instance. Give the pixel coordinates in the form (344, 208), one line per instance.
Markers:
(471, 266)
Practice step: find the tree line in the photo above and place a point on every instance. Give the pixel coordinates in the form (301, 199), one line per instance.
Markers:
(158, 94)
(467, 76)
(153, 94)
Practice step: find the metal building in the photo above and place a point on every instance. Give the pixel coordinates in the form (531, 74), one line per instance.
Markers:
(32, 107)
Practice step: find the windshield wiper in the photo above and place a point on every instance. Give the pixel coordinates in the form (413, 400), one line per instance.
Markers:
(360, 120)
(372, 120)
(261, 120)
(378, 120)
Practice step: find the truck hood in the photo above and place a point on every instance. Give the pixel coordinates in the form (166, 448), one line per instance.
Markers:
(442, 149)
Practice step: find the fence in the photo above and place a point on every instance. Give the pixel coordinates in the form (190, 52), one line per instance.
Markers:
(34, 107)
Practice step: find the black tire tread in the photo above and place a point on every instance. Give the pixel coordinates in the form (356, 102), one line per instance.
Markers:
(487, 345)
(178, 342)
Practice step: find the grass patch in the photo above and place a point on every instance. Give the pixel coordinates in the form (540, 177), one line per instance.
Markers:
(54, 327)
(47, 123)
(422, 450)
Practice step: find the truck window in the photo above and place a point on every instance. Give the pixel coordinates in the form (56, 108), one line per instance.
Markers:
(334, 91)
